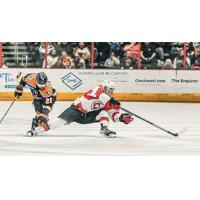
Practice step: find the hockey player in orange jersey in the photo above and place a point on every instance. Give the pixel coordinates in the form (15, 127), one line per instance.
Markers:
(96, 105)
(44, 96)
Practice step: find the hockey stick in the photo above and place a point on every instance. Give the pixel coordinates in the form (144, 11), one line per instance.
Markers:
(8, 110)
(167, 131)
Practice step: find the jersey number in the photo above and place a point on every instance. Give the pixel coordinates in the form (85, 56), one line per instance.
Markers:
(48, 101)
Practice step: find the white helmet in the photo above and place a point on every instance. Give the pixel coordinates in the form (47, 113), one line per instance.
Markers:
(108, 86)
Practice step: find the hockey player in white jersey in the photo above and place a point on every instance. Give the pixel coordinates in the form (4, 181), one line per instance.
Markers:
(96, 105)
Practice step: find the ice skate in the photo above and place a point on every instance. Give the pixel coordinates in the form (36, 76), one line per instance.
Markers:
(30, 133)
(106, 132)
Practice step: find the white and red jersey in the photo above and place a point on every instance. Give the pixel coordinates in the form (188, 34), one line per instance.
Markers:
(94, 100)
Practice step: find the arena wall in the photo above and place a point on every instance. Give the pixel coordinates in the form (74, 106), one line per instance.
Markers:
(132, 85)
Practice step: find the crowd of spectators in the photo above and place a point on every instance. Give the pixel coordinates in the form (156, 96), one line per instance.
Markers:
(114, 55)
(68, 55)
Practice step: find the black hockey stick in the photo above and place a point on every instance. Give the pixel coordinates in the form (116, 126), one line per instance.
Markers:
(167, 131)
(7, 110)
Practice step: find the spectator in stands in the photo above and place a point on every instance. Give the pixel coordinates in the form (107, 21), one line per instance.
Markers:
(128, 62)
(112, 61)
(33, 49)
(103, 52)
(176, 48)
(116, 47)
(66, 61)
(148, 56)
(3, 63)
(179, 61)
(196, 45)
(167, 46)
(52, 59)
(68, 47)
(82, 56)
(54, 44)
(42, 51)
(163, 50)
(168, 65)
(42, 48)
(132, 48)
(190, 52)
(159, 50)
(196, 63)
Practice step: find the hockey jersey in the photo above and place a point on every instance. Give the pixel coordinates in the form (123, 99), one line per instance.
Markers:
(96, 99)
(30, 80)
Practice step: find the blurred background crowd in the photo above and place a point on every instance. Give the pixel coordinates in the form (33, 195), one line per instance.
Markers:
(101, 55)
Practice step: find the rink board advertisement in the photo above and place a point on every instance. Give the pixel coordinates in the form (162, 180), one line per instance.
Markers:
(138, 85)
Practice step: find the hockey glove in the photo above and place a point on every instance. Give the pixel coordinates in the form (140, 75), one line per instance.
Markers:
(126, 118)
(114, 104)
(18, 91)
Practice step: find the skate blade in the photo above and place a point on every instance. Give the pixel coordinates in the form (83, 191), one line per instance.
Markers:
(109, 136)
(29, 134)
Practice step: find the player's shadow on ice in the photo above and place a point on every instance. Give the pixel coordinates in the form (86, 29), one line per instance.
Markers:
(18, 135)
(67, 136)
(64, 136)
(78, 136)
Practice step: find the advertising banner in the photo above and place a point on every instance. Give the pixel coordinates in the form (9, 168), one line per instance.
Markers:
(127, 81)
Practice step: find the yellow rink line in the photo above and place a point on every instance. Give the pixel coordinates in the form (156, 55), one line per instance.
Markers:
(151, 97)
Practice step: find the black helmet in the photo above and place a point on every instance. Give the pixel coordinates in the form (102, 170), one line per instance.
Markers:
(41, 79)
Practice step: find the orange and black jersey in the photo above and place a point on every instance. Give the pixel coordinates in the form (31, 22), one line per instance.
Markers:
(30, 80)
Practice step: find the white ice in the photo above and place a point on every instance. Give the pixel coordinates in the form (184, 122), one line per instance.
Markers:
(138, 138)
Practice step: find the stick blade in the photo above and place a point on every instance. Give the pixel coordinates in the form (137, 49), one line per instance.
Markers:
(181, 132)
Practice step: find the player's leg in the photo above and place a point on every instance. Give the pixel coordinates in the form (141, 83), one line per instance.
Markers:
(68, 116)
(56, 123)
(103, 118)
(100, 116)
(41, 118)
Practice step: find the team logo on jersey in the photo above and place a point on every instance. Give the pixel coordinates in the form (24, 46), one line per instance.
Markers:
(71, 81)
(96, 105)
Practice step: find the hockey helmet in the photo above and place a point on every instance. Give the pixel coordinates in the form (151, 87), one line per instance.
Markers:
(41, 80)
(109, 87)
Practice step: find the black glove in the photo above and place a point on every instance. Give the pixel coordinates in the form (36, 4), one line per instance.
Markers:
(113, 102)
(18, 91)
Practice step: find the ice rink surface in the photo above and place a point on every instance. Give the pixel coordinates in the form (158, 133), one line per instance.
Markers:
(138, 138)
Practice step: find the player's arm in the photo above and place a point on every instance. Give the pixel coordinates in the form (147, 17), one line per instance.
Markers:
(113, 108)
(19, 88)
